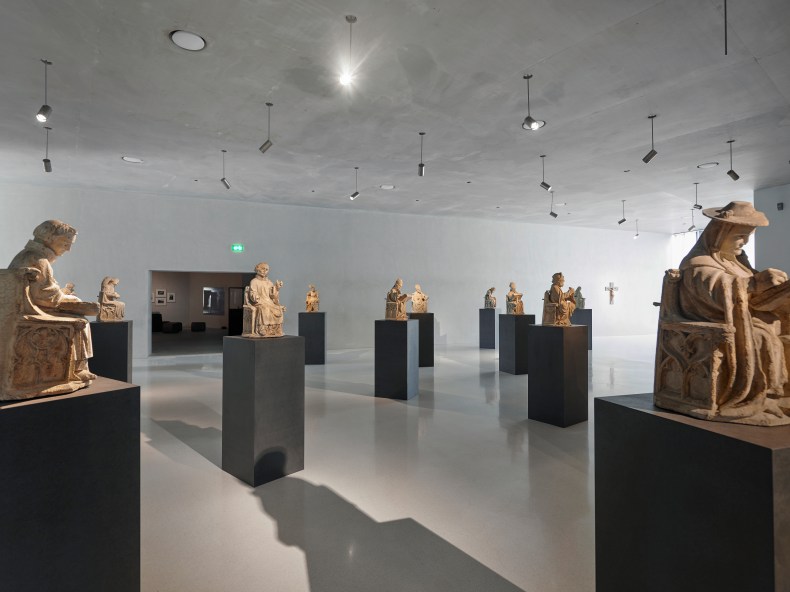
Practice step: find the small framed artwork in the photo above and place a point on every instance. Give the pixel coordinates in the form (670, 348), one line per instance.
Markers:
(153, 298)
(161, 301)
(161, 293)
(171, 296)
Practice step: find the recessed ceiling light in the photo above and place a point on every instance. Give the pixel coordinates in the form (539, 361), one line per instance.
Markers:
(707, 165)
(387, 187)
(133, 160)
(187, 40)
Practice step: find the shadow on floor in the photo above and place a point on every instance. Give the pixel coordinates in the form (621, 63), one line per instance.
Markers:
(207, 442)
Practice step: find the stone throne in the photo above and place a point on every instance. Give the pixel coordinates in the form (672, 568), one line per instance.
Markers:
(37, 349)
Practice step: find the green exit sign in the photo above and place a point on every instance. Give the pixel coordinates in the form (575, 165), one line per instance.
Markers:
(237, 248)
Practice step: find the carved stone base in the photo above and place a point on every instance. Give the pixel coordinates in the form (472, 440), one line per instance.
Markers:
(268, 331)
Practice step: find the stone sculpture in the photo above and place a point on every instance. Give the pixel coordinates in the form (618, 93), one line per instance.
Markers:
(263, 314)
(490, 299)
(419, 300)
(110, 308)
(45, 340)
(396, 303)
(724, 328)
(311, 300)
(558, 306)
(513, 301)
(579, 299)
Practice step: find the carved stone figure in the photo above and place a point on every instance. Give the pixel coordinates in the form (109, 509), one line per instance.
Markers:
(490, 299)
(579, 299)
(396, 303)
(263, 314)
(513, 301)
(419, 300)
(558, 306)
(110, 308)
(311, 300)
(45, 340)
(724, 328)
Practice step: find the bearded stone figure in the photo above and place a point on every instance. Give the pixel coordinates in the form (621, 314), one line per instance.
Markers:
(263, 314)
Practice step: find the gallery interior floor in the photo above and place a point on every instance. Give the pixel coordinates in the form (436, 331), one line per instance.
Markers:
(453, 490)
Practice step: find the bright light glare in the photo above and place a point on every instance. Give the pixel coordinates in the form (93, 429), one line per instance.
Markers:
(346, 78)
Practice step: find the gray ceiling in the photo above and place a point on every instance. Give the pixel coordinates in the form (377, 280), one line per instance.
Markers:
(452, 68)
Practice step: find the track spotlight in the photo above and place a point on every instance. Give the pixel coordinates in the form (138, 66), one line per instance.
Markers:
(268, 143)
(224, 179)
(650, 155)
(623, 218)
(47, 162)
(552, 213)
(543, 183)
(421, 166)
(530, 123)
(696, 203)
(347, 76)
(636, 236)
(46, 111)
(355, 195)
(693, 226)
(732, 174)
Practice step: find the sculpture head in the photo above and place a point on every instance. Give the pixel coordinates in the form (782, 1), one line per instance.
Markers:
(491, 290)
(512, 286)
(417, 288)
(55, 235)
(558, 279)
(311, 287)
(262, 269)
(728, 231)
(398, 284)
(109, 282)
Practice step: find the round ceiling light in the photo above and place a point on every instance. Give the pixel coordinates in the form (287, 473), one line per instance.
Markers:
(387, 187)
(187, 40)
(707, 165)
(132, 159)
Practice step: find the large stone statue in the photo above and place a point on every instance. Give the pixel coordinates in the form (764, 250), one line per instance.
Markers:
(558, 306)
(490, 299)
(579, 299)
(311, 300)
(263, 314)
(419, 300)
(396, 303)
(110, 308)
(45, 340)
(724, 328)
(514, 304)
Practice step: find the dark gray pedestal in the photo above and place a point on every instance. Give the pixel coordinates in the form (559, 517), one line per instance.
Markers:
(558, 380)
(584, 317)
(426, 337)
(262, 407)
(70, 491)
(397, 359)
(514, 343)
(312, 326)
(688, 505)
(112, 350)
(488, 328)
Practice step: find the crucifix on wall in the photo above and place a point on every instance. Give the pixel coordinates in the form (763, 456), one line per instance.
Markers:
(611, 289)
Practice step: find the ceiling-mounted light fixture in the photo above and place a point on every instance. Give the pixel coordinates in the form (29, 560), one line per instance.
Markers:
(693, 226)
(224, 179)
(732, 174)
(696, 202)
(652, 154)
(347, 77)
(47, 162)
(355, 195)
(43, 114)
(621, 220)
(543, 183)
(552, 213)
(421, 166)
(268, 143)
(187, 40)
(636, 236)
(530, 123)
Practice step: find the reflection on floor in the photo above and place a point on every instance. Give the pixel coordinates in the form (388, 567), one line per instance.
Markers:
(453, 490)
(187, 342)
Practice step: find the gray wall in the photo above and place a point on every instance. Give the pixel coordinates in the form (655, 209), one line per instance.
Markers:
(352, 257)
(771, 242)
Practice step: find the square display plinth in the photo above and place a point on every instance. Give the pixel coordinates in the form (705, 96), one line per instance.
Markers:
(262, 407)
(488, 328)
(583, 316)
(687, 505)
(514, 343)
(426, 337)
(112, 350)
(397, 359)
(312, 326)
(558, 379)
(70, 491)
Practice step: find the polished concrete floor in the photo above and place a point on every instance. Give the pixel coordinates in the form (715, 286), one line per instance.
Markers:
(455, 490)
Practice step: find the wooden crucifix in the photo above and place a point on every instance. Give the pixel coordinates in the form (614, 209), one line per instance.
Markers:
(611, 288)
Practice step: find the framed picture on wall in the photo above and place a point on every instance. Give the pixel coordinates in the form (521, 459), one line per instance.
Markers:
(161, 293)
(161, 301)
(153, 298)
(213, 301)
(171, 296)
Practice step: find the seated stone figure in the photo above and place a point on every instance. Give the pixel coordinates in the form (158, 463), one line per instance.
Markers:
(45, 340)
(490, 300)
(263, 314)
(724, 328)
(110, 308)
(311, 300)
(419, 300)
(579, 298)
(558, 306)
(396, 303)
(514, 304)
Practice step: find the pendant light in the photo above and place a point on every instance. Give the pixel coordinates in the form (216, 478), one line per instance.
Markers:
(530, 123)
(46, 111)
(650, 155)
(552, 213)
(355, 195)
(224, 179)
(696, 202)
(421, 166)
(543, 183)
(693, 226)
(636, 236)
(268, 143)
(732, 174)
(47, 162)
(347, 77)
(621, 220)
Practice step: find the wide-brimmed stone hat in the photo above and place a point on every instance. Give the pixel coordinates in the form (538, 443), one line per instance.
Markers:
(737, 212)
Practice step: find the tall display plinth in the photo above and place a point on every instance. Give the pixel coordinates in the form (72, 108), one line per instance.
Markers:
(488, 328)
(583, 316)
(687, 505)
(112, 350)
(514, 342)
(262, 407)
(397, 359)
(558, 380)
(426, 337)
(312, 326)
(70, 491)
